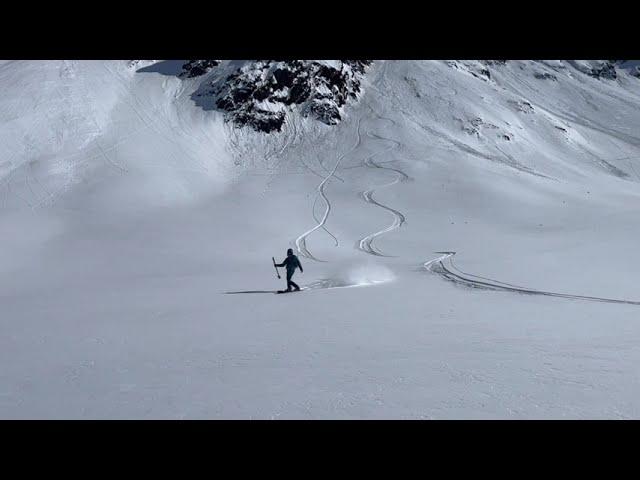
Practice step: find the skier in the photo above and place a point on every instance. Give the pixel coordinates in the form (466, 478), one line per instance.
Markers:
(291, 262)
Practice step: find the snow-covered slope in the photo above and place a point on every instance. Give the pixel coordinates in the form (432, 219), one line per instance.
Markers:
(132, 199)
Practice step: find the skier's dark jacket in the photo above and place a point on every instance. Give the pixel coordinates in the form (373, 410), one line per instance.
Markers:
(291, 262)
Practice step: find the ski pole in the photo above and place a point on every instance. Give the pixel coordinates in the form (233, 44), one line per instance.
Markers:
(274, 264)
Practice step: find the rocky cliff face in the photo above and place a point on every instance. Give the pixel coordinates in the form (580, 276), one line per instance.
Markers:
(259, 93)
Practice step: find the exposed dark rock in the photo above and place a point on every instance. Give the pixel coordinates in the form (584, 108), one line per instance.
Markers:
(471, 127)
(262, 120)
(326, 112)
(283, 77)
(259, 93)
(545, 76)
(299, 92)
(606, 70)
(483, 72)
(522, 106)
(262, 93)
(196, 68)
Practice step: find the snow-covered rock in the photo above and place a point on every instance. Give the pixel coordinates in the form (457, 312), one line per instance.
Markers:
(197, 68)
(260, 93)
(596, 68)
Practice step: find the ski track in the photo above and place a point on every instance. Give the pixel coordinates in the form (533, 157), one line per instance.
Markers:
(300, 242)
(324, 227)
(439, 267)
(324, 284)
(365, 244)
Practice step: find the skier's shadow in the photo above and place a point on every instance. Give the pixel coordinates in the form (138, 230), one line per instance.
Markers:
(251, 291)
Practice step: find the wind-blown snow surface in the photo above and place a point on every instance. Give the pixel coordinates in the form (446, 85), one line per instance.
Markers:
(126, 212)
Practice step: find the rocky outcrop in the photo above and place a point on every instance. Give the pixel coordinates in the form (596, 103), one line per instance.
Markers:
(545, 76)
(606, 70)
(596, 68)
(197, 68)
(521, 106)
(259, 93)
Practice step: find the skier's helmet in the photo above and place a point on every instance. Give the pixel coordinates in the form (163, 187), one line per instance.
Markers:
(290, 251)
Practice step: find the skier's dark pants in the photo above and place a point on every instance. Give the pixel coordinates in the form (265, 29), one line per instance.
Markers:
(291, 283)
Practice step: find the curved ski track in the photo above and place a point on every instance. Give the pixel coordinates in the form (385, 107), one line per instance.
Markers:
(300, 242)
(444, 267)
(365, 244)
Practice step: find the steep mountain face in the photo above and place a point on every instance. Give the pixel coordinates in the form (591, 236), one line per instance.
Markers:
(259, 93)
(63, 122)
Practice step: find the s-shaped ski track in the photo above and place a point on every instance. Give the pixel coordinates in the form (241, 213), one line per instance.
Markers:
(301, 241)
